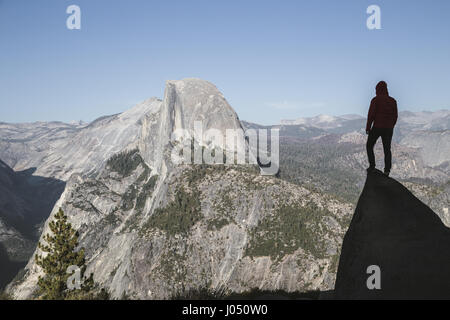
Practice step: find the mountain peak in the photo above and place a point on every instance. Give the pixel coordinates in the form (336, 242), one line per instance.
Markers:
(193, 99)
(192, 82)
(393, 230)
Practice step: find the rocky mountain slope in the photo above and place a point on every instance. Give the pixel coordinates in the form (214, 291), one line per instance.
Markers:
(25, 145)
(153, 229)
(396, 232)
(201, 227)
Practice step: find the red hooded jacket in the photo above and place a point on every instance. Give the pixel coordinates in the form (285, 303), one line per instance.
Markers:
(383, 110)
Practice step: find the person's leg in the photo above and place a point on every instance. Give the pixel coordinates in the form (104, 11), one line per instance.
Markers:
(386, 138)
(371, 140)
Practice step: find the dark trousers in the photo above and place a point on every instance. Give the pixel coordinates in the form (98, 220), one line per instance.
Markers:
(386, 138)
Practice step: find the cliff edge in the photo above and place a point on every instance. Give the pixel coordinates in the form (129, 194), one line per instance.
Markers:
(394, 231)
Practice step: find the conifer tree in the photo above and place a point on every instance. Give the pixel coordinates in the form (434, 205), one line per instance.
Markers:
(60, 254)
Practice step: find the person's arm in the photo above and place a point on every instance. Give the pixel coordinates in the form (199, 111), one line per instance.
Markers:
(395, 112)
(370, 116)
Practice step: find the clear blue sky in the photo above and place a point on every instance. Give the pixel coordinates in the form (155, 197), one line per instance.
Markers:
(271, 59)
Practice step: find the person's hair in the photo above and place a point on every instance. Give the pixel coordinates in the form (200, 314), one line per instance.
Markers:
(381, 88)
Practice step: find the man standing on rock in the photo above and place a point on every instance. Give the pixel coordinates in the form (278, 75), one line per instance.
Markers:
(383, 115)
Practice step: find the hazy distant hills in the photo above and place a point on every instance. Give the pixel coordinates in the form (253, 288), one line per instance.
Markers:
(152, 229)
(423, 120)
(323, 121)
(328, 152)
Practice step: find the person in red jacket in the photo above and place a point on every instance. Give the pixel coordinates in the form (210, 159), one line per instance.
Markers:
(381, 121)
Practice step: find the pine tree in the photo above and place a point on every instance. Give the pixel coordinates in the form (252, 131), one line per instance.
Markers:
(60, 255)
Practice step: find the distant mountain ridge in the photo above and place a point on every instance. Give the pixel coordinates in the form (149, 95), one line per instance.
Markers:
(322, 120)
(420, 120)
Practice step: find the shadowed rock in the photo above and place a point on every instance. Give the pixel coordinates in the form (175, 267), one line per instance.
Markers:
(9, 268)
(394, 230)
(25, 203)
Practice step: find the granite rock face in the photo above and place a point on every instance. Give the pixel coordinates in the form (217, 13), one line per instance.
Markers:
(145, 238)
(153, 229)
